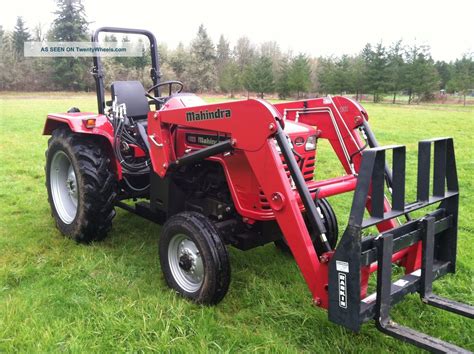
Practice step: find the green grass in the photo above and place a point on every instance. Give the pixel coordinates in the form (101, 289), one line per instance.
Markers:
(56, 295)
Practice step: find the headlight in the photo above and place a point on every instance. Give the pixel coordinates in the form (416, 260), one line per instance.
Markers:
(311, 143)
(299, 141)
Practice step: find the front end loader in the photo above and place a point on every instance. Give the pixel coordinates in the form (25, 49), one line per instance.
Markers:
(241, 174)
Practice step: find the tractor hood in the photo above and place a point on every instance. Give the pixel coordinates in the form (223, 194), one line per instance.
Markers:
(293, 128)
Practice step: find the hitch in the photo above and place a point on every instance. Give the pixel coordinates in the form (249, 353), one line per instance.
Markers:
(434, 235)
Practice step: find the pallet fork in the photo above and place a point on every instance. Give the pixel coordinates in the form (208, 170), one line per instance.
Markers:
(437, 232)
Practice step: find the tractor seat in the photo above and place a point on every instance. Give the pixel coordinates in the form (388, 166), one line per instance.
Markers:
(132, 94)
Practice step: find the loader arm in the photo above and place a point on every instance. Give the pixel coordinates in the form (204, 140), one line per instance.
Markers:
(341, 121)
(344, 123)
(337, 120)
(252, 126)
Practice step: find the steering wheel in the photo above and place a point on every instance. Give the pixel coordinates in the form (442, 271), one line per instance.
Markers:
(161, 100)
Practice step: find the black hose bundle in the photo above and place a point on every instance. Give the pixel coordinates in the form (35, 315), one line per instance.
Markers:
(122, 136)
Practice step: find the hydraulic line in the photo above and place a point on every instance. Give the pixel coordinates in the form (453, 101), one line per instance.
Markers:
(311, 211)
(122, 136)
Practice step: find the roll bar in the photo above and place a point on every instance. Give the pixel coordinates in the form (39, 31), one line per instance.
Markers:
(98, 73)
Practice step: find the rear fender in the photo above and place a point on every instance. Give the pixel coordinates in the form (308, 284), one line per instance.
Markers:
(75, 122)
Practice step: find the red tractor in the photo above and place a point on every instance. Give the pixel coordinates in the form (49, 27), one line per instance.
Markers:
(241, 173)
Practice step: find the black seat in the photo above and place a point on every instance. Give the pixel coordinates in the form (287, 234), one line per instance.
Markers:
(132, 94)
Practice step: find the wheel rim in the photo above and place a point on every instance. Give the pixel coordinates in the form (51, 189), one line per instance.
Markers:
(63, 183)
(185, 263)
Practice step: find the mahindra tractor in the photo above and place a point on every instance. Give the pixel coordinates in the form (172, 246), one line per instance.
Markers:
(241, 174)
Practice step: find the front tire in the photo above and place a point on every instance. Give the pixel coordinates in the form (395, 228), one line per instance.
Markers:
(81, 186)
(193, 258)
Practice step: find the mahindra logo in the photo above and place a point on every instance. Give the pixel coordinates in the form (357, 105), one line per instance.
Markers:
(206, 115)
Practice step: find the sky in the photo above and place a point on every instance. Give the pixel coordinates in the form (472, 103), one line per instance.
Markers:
(318, 28)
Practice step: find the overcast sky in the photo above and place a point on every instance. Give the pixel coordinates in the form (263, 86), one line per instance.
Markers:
(314, 27)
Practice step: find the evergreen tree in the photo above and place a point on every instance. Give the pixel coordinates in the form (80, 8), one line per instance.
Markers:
(395, 69)
(421, 75)
(246, 78)
(20, 36)
(6, 61)
(70, 25)
(244, 54)
(271, 49)
(202, 74)
(163, 52)
(261, 79)
(222, 53)
(144, 60)
(142, 63)
(179, 62)
(283, 79)
(223, 57)
(300, 75)
(343, 80)
(463, 76)
(376, 62)
(127, 62)
(229, 80)
(444, 72)
(326, 75)
(359, 75)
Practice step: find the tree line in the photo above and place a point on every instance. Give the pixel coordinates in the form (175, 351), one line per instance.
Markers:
(204, 66)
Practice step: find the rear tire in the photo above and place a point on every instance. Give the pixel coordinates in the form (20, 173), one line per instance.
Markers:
(193, 258)
(330, 222)
(81, 185)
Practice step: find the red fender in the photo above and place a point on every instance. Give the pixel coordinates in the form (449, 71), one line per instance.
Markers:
(76, 123)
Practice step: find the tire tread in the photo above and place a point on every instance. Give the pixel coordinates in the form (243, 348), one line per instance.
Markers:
(98, 186)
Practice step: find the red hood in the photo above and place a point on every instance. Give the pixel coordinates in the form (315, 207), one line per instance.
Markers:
(293, 128)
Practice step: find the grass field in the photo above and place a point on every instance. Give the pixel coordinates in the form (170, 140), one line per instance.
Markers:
(56, 295)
